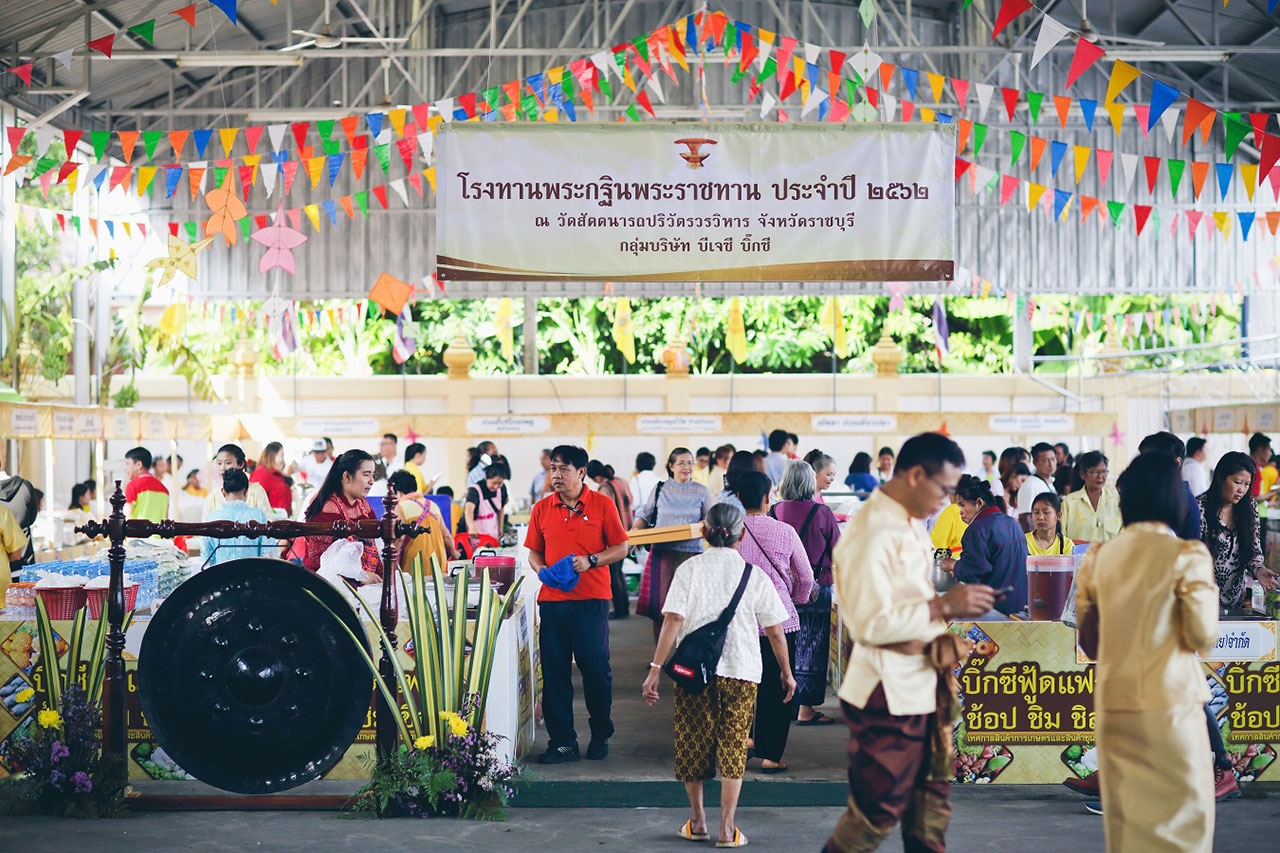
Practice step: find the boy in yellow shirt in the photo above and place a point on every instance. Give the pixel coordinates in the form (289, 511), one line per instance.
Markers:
(12, 543)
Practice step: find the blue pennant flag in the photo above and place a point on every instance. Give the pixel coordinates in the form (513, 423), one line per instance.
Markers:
(1057, 150)
(1060, 200)
(910, 79)
(1224, 170)
(335, 166)
(1246, 223)
(1088, 108)
(172, 174)
(201, 138)
(1161, 97)
(228, 7)
(331, 208)
(374, 121)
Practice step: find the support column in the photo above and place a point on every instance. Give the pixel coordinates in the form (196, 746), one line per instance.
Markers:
(531, 335)
(8, 241)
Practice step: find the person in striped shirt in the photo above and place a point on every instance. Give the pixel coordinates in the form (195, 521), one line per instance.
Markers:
(145, 496)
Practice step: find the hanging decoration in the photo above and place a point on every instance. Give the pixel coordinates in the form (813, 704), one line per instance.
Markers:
(181, 259)
(280, 240)
(226, 208)
(623, 334)
(390, 293)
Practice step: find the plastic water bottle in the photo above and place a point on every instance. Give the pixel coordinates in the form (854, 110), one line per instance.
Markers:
(1259, 602)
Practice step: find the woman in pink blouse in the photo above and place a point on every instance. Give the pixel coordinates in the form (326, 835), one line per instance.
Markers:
(775, 547)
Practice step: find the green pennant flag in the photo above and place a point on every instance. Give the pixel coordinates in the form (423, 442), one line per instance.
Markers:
(641, 46)
(491, 96)
(75, 223)
(1236, 131)
(383, 153)
(100, 139)
(851, 91)
(1115, 208)
(770, 68)
(332, 146)
(1034, 100)
(325, 126)
(244, 226)
(566, 86)
(147, 30)
(529, 106)
(967, 4)
(1017, 143)
(991, 184)
(219, 172)
(44, 164)
(150, 139)
(362, 201)
(730, 39)
(1175, 174)
(632, 114)
(738, 74)
(979, 137)
(605, 88)
(191, 231)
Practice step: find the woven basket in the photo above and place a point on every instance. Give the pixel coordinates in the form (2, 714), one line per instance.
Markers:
(62, 603)
(97, 598)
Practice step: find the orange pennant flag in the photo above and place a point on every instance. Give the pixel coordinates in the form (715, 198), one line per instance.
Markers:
(345, 201)
(359, 159)
(1063, 105)
(962, 136)
(1197, 115)
(128, 140)
(1087, 205)
(886, 75)
(1273, 221)
(1116, 111)
(349, 124)
(1122, 74)
(1038, 145)
(177, 139)
(195, 174)
(1199, 171)
(17, 161)
(228, 136)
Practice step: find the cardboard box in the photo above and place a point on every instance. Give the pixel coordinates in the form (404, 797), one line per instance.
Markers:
(675, 533)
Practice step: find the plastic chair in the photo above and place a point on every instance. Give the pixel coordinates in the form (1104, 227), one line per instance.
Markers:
(469, 543)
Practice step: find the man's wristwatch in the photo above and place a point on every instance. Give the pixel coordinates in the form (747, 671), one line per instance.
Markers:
(593, 560)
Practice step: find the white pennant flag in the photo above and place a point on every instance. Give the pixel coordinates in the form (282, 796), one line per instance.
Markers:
(767, 103)
(657, 89)
(1051, 32)
(444, 106)
(983, 177)
(985, 91)
(890, 104)
(811, 53)
(275, 132)
(397, 187)
(44, 138)
(269, 172)
(1170, 121)
(1128, 166)
(602, 62)
(426, 141)
(64, 58)
(766, 48)
(816, 97)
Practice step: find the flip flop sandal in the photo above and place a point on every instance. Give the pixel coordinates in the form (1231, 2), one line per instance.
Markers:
(769, 771)
(818, 719)
(686, 832)
(739, 840)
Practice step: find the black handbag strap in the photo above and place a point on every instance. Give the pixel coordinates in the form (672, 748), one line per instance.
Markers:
(726, 615)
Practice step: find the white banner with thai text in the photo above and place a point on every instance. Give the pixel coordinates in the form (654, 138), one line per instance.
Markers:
(696, 202)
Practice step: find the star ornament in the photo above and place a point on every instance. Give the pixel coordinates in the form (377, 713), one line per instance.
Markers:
(1116, 436)
(280, 240)
(181, 259)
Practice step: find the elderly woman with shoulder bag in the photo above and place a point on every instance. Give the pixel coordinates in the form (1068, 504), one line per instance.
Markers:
(711, 726)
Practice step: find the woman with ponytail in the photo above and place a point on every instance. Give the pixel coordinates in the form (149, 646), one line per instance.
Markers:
(1046, 538)
(343, 497)
(995, 548)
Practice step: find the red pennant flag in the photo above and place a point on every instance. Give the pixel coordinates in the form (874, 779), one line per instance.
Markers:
(873, 97)
(1086, 54)
(1009, 11)
(251, 135)
(1270, 153)
(15, 137)
(407, 147)
(102, 45)
(300, 132)
(642, 98)
(260, 221)
(1193, 222)
(290, 169)
(962, 166)
(70, 139)
(1140, 214)
(1142, 112)
(468, 103)
(421, 112)
(1153, 172)
(173, 229)
(961, 88)
(789, 86)
(1008, 186)
(1010, 100)
(380, 193)
(1259, 122)
(246, 181)
(66, 170)
(416, 180)
(837, 61)
(22, 71)
(187, 13)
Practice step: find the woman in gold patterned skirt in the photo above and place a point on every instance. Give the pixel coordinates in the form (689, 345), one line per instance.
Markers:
(1146, 605)
(711, 727)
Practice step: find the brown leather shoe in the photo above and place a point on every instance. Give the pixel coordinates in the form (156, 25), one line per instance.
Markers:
(1225, 786)
(1087, 786)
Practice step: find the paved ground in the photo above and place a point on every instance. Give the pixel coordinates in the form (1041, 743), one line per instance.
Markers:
(1057, 825)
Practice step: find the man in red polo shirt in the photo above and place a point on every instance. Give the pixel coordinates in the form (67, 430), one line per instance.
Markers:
(575, 624)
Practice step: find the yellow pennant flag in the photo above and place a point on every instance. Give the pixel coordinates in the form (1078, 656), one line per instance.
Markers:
(1034, 193)
(313, 214)
(735, 337)
(1249, 174)
(926, 115)
(397, 117)
(1082, 159)
(1116, 111)
(314, 167)
(1223, 220)
(502, 328)
(430, 174)
(173, 320)
(833, 324)
(228, 137)
(1122, 74)
(146, 174)
(936, 82)
(624, 337)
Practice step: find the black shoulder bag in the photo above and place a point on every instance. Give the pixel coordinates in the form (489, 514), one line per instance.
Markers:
(693, 663)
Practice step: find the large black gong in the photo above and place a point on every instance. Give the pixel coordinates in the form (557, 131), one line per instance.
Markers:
(248, 683)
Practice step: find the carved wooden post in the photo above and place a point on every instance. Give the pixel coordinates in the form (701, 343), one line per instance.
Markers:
(113, 684)
(388, 615)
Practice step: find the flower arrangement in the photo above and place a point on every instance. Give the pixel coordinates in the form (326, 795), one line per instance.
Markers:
(442, 695)
(460, 775)
(64, 771)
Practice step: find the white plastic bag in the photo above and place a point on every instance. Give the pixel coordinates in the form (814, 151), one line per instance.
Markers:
(342, 560)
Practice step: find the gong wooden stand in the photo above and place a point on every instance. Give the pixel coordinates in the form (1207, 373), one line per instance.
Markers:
(117, 528)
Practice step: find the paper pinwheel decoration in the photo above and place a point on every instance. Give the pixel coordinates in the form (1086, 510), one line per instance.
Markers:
(181, 259)
(280, 241)
(226, 210)
(391, 293)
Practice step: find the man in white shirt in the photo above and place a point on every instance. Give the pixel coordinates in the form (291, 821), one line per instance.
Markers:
(1193, 467)
(889, 692)
(644, 481)
(781, 448)
(1044, 458)
(315, 467)
(386, 463)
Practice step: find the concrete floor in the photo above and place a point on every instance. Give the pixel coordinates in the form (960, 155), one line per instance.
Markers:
(1059, 825)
